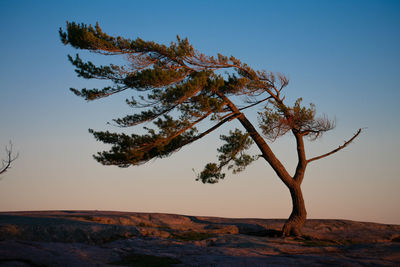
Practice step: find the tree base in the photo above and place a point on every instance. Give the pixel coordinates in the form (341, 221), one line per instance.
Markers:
(293, 226)
(291, 230)
(298, 216)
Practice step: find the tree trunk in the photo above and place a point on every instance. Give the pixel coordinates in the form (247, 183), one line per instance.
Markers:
(298, 216)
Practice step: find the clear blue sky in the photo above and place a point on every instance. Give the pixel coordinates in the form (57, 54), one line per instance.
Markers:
(343, 56)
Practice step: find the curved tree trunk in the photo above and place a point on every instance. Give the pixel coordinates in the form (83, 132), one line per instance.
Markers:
(298, 216)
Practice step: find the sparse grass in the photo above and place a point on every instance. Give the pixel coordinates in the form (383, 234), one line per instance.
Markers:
(81, 217)
(308, 241)
(142, 260)
(142, 224)
(192, 236)
(318, 243)
(87, 218)
(266, 233)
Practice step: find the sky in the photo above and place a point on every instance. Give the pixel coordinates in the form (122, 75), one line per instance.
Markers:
(343, 56)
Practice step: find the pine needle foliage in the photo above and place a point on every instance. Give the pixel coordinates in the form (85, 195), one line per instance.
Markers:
(176, 88)
(231, 154)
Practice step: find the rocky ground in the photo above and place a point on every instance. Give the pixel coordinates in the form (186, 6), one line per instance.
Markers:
(99, 238)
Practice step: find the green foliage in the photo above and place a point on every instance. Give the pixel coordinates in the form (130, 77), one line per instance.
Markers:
(137, 149)
(176, 87)
(192, 236)
(166, 79)
(92, 94)
(279, 119)
(231, 154)
(211, 174)
(90, 71)
(308, 241)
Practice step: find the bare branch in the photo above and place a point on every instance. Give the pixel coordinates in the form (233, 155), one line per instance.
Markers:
(216, 126)
(168, 139)
(337, 149)
(6, 164)
(232, 117)
(255, 103)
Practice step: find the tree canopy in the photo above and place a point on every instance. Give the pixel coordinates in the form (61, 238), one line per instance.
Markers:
(176, 88)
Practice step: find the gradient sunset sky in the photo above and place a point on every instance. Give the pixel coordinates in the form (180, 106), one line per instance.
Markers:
(343, 56)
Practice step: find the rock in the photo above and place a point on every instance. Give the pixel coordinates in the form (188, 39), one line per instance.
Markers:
(97, 238)
(61, 230)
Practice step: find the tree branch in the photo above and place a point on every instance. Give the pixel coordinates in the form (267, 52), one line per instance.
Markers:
(302, 161)
(255, 103)
(266, 151)
(169, 138)
(216, 126)
(7, 163)
(234, 116)
(337, 149)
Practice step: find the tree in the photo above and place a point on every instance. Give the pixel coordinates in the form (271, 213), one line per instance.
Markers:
(6, 163)
(176, 87)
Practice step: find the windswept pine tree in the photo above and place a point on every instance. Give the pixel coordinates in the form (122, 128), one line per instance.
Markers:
(177, 88)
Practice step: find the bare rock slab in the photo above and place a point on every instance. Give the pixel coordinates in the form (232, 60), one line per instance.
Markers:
(105, 238)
